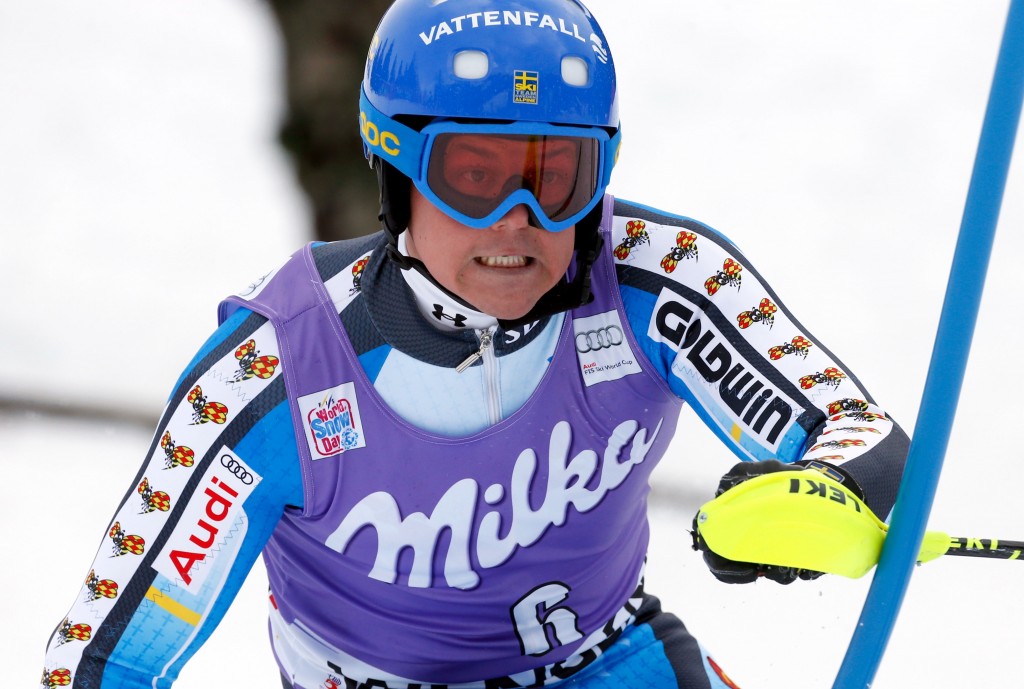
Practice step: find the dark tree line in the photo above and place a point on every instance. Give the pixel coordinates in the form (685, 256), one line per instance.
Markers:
(325, 44)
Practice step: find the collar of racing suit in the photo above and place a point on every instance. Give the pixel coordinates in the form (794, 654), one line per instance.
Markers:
(403, 313)
(440, 308)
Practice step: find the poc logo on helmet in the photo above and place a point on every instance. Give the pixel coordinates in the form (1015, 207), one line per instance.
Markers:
(373, 136)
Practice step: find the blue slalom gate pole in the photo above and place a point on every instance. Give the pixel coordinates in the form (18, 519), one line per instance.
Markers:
(949, 359)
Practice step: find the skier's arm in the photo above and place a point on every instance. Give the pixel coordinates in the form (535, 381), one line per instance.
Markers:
(726, 344)
(220, 472)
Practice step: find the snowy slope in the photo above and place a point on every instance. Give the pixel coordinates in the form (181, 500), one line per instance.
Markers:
(833, 142)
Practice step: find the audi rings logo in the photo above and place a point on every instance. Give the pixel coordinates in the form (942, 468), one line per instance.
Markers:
(603, 338)
(240, 472)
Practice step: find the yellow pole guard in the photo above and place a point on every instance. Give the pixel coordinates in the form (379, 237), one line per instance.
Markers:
(800, 519)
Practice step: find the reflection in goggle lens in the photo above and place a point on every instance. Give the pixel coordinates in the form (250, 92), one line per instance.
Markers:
(474, 173)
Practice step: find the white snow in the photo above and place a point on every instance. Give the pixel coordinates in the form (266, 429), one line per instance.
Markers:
(140, 182)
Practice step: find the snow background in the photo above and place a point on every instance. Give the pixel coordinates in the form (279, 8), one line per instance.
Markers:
(140, 182)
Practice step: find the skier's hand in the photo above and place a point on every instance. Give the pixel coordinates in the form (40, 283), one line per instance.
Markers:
(730, 571)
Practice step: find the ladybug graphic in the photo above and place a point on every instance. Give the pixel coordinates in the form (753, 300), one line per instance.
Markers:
(730, 274)
(798, 345)
(686, 247)
(251, 365)
(99, 588)
(60, 677)
(764, 313)
(853, 429)
(73, 632)
(203, 411)
(847, 404)
(176, 455)
(153, 500)
(357, 274)
(636, 234)
(862, 416)
(832, 377)
(839, 444)
(125, 544)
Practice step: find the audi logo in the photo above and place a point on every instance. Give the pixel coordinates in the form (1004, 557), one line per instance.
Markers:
(232, 465)
(602, 338)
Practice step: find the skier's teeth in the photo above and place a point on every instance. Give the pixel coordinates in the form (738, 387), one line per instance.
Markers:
(503, 261)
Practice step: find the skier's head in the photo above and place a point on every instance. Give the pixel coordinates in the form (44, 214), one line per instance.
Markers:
(486, 106)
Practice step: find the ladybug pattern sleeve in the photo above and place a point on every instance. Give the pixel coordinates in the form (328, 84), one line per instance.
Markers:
(218, 476)
(725, 343)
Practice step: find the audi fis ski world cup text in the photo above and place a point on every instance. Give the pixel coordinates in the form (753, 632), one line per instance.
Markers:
(602, 349)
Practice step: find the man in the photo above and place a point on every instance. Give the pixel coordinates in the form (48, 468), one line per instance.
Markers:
(440, 436)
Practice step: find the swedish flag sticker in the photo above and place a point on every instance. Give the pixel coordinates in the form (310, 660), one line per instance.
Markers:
(525, 85)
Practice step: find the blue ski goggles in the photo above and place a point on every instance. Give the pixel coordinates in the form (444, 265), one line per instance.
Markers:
(476, 173)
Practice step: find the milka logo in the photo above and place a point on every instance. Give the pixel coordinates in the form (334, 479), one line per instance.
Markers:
(456, 511)
(475, 20)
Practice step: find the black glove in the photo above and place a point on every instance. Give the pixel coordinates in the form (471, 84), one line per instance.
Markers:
(730, 571)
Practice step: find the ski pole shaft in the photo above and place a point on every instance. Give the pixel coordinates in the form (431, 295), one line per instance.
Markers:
(935, 544)
(986, 547)
(949, 359)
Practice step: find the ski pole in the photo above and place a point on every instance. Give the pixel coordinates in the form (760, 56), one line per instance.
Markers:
(948, 362)
(985, 547)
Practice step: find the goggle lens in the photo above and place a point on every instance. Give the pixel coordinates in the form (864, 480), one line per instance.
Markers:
(475, 173)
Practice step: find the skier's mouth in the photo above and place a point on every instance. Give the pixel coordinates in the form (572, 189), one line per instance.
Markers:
(504, 261)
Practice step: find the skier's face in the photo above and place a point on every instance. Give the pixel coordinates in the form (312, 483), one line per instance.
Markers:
(501, 270)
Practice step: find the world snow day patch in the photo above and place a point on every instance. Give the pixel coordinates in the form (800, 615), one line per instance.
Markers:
(332, 421)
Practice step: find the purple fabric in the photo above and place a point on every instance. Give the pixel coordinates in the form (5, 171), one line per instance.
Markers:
(436, 514)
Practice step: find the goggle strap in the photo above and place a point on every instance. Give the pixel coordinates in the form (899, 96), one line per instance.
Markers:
(390, 140)
(611, 156)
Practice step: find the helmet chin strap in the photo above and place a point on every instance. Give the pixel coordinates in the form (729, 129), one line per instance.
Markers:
(568, 294)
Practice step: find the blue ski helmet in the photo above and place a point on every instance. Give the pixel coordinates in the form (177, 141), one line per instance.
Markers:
(530, 73)
(467, 59)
